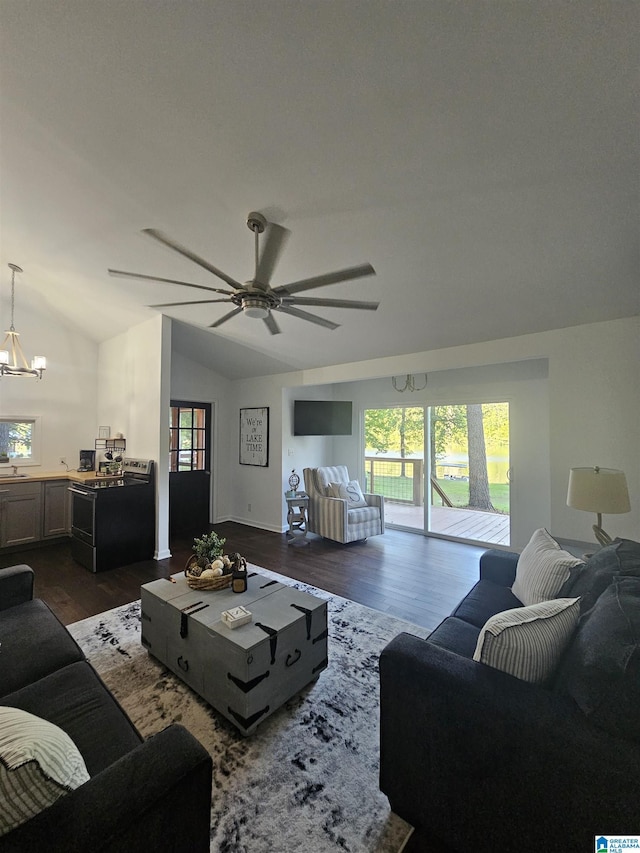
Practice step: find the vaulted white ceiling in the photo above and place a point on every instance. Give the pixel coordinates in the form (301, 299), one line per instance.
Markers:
(484, 157)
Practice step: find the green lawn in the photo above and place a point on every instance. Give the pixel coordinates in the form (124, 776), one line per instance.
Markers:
(401, 488)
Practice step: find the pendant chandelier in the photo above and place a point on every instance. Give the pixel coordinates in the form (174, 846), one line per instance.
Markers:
(12, 360)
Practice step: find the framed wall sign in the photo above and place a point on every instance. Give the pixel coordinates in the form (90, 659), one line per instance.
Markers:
(254, 437)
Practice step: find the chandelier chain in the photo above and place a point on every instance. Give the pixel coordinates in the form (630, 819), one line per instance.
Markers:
(409, 383)
(12, 328)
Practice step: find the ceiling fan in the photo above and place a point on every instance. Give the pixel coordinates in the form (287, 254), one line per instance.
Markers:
(256, 298)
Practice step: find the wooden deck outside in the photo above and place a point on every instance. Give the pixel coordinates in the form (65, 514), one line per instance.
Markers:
(468, 524)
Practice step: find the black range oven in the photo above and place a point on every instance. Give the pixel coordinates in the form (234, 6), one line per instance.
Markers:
(113, 518)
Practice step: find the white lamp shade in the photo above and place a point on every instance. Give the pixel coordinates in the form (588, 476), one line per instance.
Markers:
(600, 490)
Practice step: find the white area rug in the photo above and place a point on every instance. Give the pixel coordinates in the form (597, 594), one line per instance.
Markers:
(307, 780)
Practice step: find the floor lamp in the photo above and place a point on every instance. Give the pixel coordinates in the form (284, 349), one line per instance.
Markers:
(599, 490)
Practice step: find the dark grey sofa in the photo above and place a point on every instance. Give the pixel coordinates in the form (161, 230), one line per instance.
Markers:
(142, 795)
(478, 760)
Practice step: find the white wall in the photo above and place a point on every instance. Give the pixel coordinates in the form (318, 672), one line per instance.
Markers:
(593, 416)
(594, 397)
(133, 384)
(66, 397)
(193, 381)
(257, 492)
(303, 451)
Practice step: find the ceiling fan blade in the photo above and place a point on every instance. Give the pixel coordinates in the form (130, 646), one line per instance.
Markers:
(304, 315)
(123, 274)
(195, 302)
(162, 238)
(271, 324)
(275, 240)
(323, 280)
(330, 303)
(225, 318)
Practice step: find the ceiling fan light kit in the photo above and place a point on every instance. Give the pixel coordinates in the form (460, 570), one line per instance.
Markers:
(256, 298)
(253, 306)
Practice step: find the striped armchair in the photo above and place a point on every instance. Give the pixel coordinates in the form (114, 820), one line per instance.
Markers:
(331, 517)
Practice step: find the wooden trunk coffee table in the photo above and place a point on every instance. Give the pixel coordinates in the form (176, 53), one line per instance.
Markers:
(247, 672)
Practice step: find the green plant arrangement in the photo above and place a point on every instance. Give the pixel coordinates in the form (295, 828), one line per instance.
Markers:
(208, 547)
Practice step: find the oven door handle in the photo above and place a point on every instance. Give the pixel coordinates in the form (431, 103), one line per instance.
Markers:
(89, 495)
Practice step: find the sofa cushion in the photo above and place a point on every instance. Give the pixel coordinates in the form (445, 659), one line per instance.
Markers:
(349, 492)
(483, 601)
(455, 636)
(621, 558)
(39, 763)
(75, 699)
(528, 642)
(601, 668)
(34, 643)
(542, 569)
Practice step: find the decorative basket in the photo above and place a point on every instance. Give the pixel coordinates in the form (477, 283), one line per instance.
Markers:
(220, 582)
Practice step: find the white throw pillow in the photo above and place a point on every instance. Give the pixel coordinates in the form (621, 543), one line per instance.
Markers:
(542, 569)
(39, 763)
(528, 642)
(350, 492)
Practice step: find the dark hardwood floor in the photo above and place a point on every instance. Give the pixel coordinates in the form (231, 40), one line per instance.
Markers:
(414, 577)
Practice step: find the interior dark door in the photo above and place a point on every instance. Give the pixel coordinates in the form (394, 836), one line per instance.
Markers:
(189, 467)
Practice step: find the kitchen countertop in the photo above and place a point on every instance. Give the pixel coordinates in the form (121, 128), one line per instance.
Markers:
(42, 476)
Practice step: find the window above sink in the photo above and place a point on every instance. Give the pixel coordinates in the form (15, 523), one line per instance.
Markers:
(20, 442)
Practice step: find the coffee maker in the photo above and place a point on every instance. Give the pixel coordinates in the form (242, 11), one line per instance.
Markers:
(87, 460)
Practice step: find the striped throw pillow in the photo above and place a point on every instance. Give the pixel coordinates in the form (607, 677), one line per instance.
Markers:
(542, 569)
(528, 642)
(39, 763)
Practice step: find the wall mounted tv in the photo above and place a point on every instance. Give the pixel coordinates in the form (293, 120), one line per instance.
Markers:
(322, 417)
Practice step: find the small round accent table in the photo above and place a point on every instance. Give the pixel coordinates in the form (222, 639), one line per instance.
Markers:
(297, 509)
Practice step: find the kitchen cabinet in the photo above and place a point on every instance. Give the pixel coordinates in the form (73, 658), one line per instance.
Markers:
(56, 509)
(20, 513)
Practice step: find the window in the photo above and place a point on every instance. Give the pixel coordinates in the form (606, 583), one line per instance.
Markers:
(187, 439)
(20, 439)
(444, 469)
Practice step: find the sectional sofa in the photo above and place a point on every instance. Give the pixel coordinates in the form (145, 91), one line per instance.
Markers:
(75, 775)
(516, 725)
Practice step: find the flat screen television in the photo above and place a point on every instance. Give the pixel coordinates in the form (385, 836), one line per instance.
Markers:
(322, 417)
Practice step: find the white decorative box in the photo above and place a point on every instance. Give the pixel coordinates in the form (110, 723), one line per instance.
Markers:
(236, 616)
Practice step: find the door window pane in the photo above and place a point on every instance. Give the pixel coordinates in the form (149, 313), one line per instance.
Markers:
(187, 439)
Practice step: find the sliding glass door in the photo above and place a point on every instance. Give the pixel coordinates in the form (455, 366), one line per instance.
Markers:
(469, 472)
(443, 470)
